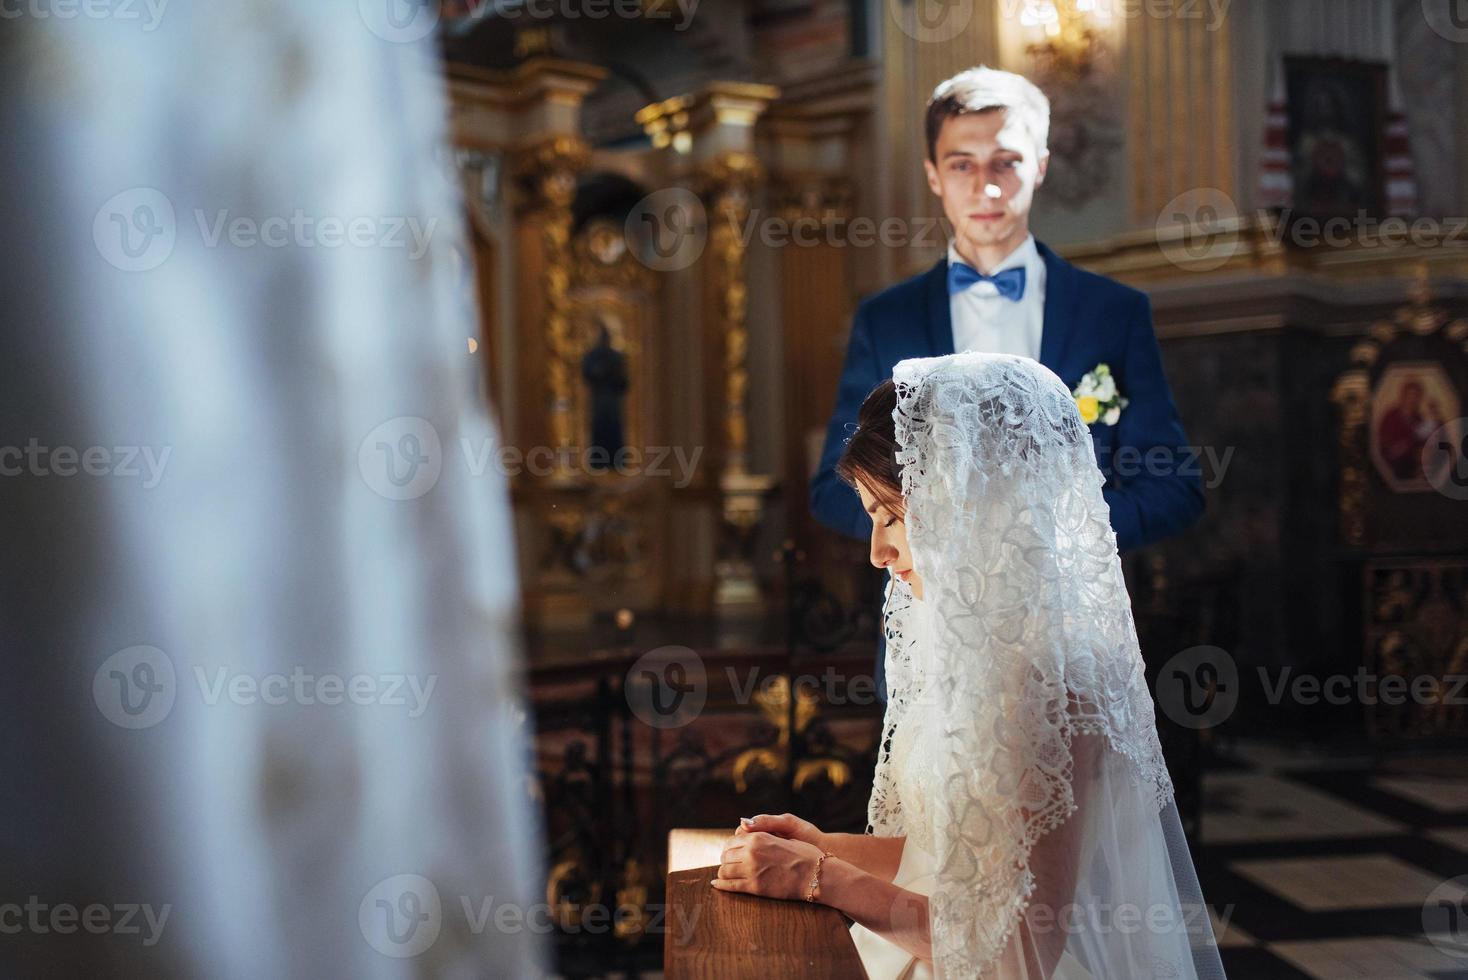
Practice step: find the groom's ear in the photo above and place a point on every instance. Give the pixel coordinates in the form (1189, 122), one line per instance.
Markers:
(934, 185)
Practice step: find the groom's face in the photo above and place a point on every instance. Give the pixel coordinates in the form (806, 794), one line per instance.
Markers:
(986, 170)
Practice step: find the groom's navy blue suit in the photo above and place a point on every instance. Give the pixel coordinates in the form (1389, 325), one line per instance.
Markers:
(1089, 320)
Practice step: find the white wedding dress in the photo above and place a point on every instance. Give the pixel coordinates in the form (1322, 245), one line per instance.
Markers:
(1019, 757)
(884, 960)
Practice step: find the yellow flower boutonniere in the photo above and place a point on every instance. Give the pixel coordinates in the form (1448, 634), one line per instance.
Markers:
(1097, 398)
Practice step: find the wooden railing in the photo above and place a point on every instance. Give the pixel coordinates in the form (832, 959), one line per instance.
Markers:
(725, 935)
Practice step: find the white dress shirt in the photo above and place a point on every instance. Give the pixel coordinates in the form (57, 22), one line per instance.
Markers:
(985, 321)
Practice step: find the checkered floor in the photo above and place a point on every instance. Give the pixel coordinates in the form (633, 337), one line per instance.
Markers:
(1336, 868)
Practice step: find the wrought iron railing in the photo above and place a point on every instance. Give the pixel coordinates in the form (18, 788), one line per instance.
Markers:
(789, 722)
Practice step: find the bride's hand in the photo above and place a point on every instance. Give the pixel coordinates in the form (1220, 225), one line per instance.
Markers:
(757, 863)
(786, 825)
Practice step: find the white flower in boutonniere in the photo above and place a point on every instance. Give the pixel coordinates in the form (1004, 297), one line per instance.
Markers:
(1097, 398)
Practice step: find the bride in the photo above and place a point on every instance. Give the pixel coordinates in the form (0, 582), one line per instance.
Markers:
(1022, 824)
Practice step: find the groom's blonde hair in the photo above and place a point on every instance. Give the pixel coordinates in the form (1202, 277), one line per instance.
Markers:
(985, 89)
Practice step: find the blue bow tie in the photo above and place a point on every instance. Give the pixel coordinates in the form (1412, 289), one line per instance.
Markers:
(1010, 282)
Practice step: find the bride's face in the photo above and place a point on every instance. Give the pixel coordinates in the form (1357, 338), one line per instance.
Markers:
(889, 541)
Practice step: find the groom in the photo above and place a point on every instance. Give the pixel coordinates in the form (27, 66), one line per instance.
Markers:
(999, 290)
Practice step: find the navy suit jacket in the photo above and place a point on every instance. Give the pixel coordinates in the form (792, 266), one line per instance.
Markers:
(1089, 319)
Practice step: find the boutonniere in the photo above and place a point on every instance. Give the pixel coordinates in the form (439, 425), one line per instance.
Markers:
(1097, 398)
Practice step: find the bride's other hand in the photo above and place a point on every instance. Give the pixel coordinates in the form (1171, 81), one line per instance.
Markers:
(758, 863)
(786, 825)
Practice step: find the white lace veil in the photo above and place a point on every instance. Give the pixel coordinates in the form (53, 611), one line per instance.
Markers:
(1049, 812)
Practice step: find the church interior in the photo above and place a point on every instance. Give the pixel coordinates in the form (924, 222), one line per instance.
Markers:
(671, 212)
(1323, 821)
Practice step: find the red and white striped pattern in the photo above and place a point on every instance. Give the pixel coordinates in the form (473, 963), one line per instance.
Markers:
(1276, 182)
(1401, 173)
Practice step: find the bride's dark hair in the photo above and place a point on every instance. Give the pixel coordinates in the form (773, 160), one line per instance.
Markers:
(870, 455)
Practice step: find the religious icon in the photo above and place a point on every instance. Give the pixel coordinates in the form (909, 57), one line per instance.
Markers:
(1337, 118)
(1412, 401)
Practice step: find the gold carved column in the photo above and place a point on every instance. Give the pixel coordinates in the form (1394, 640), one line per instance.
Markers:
(519, 133)
(501, 122)
(548, 172)
(709, 139)
(552, 491)
(728, 176)
(729, 182)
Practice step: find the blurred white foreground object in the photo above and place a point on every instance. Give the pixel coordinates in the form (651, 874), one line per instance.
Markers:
(263, 716)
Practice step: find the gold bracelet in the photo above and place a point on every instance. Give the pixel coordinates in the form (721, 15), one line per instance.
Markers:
(815, 881)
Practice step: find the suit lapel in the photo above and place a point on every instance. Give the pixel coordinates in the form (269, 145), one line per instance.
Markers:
(939, 315)
(1060, 311)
